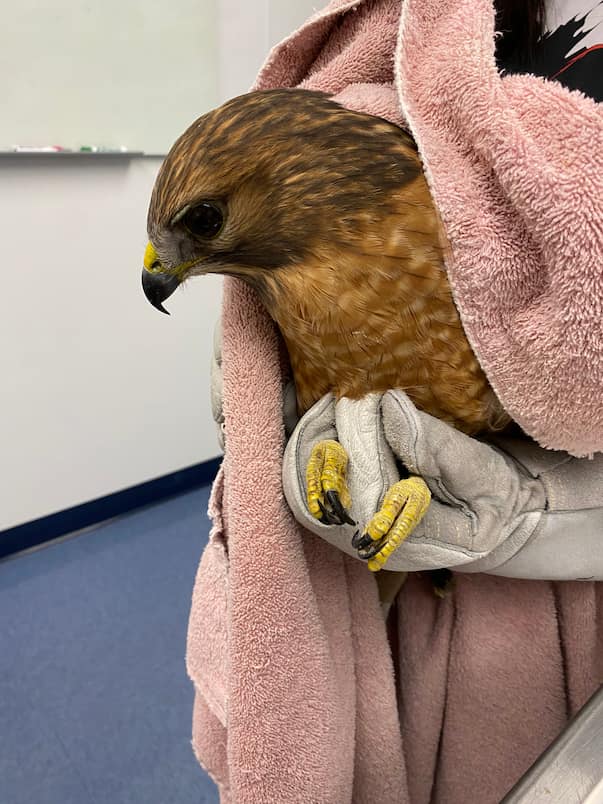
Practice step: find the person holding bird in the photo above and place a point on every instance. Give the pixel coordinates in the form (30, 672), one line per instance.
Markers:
(407, 450)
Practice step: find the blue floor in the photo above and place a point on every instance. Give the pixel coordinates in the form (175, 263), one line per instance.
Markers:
(95, 704)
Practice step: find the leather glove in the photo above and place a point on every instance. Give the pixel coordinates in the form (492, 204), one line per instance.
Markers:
(216, 390)
(507, 507)
(216, 384)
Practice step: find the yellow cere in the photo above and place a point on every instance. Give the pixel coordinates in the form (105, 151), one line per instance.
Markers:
(150, 257)
(153, 265)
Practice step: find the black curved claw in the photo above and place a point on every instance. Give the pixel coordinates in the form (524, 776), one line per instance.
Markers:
(361, 541)
(338, 509)
(367, 548)
(327, 517)
(371, 550)
(442, 581)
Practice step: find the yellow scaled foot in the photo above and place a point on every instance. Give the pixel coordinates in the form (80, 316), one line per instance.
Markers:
(403, 508)
(328, 495)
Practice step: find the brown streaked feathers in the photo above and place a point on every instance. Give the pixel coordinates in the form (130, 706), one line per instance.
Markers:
(329, 217)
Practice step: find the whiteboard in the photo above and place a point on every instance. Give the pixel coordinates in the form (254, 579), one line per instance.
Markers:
(109, 73)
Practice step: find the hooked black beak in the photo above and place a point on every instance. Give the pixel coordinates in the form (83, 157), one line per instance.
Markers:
(158, 287)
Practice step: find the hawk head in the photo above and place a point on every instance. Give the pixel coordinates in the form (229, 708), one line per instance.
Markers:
(258, 183)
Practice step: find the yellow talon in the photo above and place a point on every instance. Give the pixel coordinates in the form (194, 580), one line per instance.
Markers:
(403, 508)
(326, 471)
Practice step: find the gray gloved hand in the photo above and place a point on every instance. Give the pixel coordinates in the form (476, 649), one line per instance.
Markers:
(216, 384)
(216, 392)
(508, 508)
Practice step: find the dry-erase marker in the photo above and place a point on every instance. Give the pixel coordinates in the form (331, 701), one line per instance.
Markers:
(39, 149)
(105, 150)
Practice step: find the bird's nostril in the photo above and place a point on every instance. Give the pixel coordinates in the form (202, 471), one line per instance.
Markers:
(156, 266)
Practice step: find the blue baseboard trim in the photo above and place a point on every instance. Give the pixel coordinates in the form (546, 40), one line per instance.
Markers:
(32, 534)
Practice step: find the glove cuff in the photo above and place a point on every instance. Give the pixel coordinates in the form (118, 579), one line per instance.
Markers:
(564, 541)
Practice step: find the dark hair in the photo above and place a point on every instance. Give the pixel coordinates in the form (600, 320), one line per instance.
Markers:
(521, 23)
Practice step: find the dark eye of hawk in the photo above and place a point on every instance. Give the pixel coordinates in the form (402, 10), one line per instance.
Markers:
(204, 220)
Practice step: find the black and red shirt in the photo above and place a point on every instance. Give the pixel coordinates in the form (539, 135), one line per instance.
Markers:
(571, 48)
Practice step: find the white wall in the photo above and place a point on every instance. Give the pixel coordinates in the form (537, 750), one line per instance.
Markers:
(99, 390)
(110, 73)
(247, 32)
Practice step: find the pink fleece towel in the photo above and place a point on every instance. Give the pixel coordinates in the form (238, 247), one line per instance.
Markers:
(300, 695)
